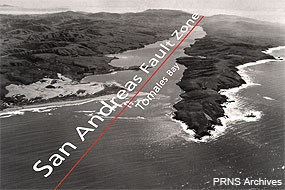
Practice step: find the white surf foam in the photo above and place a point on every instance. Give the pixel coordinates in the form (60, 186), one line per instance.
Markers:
(268, 98)
(127, 118)
(190, 134)
(54, 105)
(50, 106)
(271, 50)
(235, 110)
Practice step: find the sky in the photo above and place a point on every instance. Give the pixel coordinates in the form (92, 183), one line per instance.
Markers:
(270, 10)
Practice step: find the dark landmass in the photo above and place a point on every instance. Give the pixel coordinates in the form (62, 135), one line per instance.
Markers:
(24, 10)
(74, 44)
(211, 66)
(5, 5)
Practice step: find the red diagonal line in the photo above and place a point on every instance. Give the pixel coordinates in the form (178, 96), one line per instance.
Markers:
(125, 107)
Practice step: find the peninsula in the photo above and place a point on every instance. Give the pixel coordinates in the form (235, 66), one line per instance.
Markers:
(211, 66)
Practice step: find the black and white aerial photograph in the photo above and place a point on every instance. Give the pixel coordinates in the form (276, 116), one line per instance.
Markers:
(142, 94)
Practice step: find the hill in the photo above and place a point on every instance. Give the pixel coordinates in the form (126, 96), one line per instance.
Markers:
(74, 43)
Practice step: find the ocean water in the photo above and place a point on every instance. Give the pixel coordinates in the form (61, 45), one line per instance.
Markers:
(146, 148)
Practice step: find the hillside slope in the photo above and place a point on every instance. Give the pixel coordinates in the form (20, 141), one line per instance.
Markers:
(73, 43)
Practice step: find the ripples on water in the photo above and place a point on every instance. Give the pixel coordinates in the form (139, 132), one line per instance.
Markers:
(147, 149)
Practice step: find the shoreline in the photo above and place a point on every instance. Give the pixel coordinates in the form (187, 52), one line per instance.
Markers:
(46, 107)
(231, 93)
(52, 105)
(230, 108)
